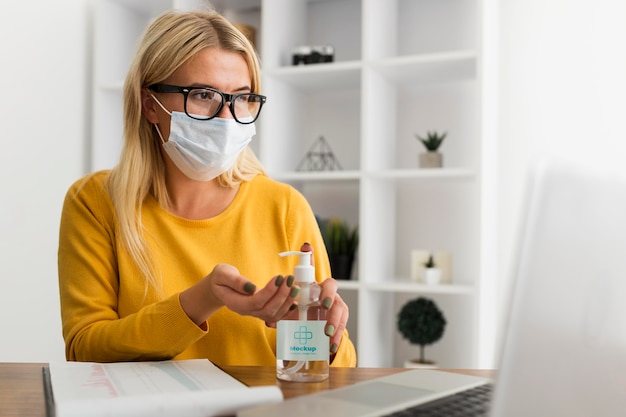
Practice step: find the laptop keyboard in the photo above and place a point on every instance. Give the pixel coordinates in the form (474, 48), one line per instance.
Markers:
(473, 402)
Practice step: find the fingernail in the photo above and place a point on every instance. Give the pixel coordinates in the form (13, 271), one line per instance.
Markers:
(294, 292)
(279, 280)
(250, 288)
(330, 330)
(326, 302)
(334, 348)
(290, 279)
(293, 307)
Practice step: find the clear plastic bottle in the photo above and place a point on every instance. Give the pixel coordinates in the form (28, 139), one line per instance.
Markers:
(302, 347)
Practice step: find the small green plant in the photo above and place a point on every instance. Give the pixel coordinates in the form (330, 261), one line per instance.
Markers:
(430, 263)
(340, 238)
(433, 140)
(341, 243)
(422, 323)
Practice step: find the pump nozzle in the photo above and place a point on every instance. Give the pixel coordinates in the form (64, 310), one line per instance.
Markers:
(304, 271)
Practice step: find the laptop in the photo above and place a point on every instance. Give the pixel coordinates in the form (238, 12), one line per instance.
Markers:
(564, 348)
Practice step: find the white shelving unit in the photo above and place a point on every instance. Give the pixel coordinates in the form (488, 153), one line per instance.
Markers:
(401, 67)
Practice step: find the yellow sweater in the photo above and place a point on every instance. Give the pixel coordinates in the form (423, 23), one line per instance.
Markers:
(107, 314)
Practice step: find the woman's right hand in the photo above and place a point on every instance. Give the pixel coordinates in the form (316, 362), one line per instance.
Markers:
(224, 286)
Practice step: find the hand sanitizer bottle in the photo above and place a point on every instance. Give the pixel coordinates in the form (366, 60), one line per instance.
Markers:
(302, 347)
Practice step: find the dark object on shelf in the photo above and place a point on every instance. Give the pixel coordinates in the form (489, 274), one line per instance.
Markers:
(430, 263)
(341, 244)
(422, 323)
(303, 55)
(319, 158)
(341, 266)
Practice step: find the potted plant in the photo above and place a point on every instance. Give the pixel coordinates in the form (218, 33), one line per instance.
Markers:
(422, 323)
(432, 158)
(432, 274)
(341, 243)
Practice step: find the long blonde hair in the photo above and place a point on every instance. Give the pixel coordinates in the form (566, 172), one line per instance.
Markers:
(167, 43)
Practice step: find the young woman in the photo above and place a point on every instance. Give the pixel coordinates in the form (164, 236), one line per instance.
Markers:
(173, 254)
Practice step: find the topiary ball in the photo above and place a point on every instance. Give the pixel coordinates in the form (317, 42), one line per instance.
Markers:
(421, 322)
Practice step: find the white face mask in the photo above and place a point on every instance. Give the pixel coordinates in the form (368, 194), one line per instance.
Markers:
(204, 149)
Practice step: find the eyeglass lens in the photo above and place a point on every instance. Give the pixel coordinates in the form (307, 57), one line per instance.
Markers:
(204, 104)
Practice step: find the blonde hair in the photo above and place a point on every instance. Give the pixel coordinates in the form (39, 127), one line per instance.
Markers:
(172, 39)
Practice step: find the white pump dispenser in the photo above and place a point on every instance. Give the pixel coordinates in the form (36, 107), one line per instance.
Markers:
(302, 347)
(304, 271)
(304, 276)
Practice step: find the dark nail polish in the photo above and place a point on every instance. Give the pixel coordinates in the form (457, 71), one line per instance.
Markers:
(290, 279)
(249, 288)
(294, 292)
(279, 280)
(326, 302)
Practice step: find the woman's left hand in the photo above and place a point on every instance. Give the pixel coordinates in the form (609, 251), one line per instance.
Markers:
(337, 316)
(337, 309)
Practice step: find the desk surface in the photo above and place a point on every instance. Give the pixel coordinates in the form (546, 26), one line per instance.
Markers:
(21, 388)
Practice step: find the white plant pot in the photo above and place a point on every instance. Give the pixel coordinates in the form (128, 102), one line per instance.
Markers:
(431, 159)
(432, 276)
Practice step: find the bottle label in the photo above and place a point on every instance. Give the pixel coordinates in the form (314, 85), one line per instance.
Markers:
(302, 340)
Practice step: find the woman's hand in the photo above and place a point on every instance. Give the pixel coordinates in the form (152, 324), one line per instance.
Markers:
(224, 286)
(338, 313)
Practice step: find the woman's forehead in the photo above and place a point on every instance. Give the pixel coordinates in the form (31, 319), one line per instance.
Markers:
(213, 66)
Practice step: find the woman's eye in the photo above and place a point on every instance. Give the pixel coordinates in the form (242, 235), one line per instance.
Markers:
(203, 95)
(200, 95)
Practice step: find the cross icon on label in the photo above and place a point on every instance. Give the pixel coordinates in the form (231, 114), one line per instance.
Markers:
(303, 335)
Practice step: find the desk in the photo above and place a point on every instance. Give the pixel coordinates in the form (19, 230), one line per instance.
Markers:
(21, 388)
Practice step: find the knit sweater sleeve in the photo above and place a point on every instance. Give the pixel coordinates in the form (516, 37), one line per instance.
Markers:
(89, 284)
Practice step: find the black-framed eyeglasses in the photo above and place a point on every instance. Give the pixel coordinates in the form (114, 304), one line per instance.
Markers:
(204, 103)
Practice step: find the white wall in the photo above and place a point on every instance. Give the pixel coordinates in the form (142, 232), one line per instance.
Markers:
(44, 106)
(562, 92)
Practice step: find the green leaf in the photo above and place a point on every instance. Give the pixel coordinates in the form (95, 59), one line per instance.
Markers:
(433, 140)
(339, 238)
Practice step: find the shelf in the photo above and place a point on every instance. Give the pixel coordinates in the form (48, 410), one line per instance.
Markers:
(421, 69)
(324, 77)
(344, 284)
(413, 287)
(407, 287)
(417, 174)
(317, 176)
(422, 173)
(429, 68)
